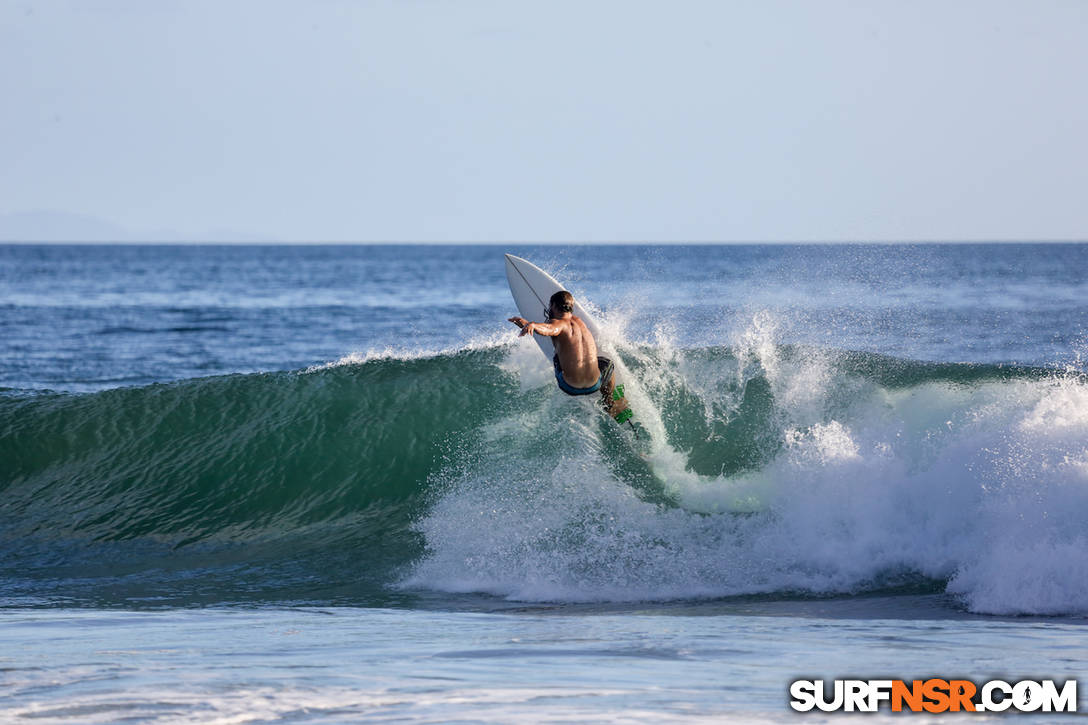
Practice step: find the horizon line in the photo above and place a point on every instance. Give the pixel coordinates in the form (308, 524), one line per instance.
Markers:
(280, 242)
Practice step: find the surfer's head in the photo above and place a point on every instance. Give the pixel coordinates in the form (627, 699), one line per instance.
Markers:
(561, 303)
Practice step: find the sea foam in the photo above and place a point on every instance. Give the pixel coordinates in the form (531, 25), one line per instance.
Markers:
(977, 483)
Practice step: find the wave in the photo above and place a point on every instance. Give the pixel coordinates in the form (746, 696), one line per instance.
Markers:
(226, 476)
(757, 469)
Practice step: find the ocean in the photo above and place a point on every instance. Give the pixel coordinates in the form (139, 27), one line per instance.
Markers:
(330, 483)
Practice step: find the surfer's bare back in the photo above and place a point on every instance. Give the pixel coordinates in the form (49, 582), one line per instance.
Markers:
(572, 339)
(578, 370)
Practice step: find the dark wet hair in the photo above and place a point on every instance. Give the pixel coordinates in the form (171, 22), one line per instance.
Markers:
(562, 301)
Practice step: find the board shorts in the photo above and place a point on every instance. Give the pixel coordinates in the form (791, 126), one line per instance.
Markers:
(603, 364)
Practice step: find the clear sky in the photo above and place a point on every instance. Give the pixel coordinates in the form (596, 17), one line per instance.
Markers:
(434, 120)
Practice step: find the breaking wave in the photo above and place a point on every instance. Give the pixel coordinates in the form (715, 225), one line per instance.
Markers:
(757, 468)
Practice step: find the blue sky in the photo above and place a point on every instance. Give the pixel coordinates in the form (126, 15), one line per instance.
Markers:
(561, 121)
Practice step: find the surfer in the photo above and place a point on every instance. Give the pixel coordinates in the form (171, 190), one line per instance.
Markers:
(578, 368)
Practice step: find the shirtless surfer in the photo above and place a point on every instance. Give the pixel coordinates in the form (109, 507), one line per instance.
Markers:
(578, 370)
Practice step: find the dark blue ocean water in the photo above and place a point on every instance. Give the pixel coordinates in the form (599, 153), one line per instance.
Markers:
(88, 317)
(329, 482)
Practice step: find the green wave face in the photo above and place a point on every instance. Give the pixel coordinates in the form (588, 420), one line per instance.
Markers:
(361, 482)
(326, 467)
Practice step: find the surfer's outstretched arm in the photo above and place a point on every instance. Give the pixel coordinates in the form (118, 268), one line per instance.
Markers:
(548, 329)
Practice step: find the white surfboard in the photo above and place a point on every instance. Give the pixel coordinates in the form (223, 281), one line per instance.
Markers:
(532, 287)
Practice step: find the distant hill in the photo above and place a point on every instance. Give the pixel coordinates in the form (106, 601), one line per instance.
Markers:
(52, 226)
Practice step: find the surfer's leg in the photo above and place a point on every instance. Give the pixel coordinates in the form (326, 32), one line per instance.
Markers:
(612, 397)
